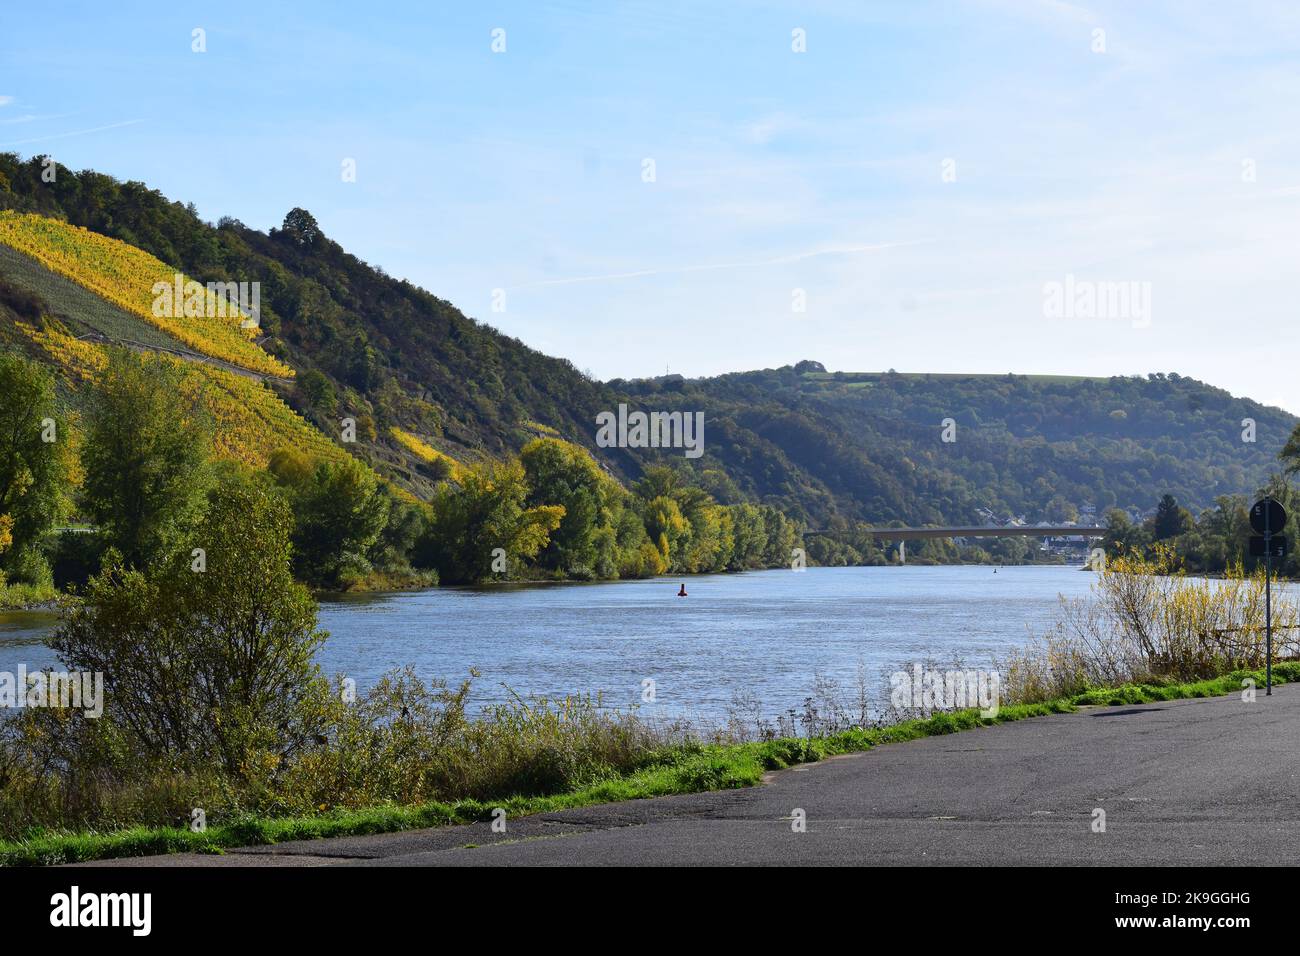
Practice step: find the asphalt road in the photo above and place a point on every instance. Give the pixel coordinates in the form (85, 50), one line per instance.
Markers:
(1200, 781)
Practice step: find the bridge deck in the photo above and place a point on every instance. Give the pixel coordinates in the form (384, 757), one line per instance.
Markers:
(1012, 531)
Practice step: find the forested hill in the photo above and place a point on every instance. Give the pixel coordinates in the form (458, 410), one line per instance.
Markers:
(361, 342)
(427, 384)
(1041, 447)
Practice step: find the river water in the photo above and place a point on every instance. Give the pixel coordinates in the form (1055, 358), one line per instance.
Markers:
(764, 635)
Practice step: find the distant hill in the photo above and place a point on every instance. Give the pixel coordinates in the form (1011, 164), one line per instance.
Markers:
(431, 388)
(1038, 446)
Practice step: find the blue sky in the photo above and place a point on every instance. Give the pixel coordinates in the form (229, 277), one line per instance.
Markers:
(775, 171)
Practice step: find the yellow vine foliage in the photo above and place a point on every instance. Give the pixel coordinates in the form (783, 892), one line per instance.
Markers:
(424, 450)
(126, 276)
(250, 422)
(82, 360)
(539, 427)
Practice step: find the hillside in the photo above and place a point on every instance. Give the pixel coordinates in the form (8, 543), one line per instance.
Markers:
(60, 321)
(1043, 447)
(125, 276)
(431, 389)
(361, 343)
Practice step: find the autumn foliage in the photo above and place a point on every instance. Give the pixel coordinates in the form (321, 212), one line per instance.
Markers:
(126, 276)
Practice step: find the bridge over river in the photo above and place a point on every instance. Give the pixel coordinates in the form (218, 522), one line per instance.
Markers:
(903, 535)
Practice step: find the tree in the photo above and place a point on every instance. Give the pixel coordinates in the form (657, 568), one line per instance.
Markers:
(484, 526)
(1170, 520)
(1058, 510)
(35, 462)
(145, 456)
(781, 537)
(318, 392)
(1220, 538)
(750, 536)
(692, 531)
(1122, 535)
(561, 473)
(665, 526)
(1290, 453)
(6, 537)
(301, 228)
(656, 481)
(725, 538)
(339, 513)
(392, 549)
(290, 467)
(210, 665)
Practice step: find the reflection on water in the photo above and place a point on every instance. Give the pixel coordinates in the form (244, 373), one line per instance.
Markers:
(26, 628)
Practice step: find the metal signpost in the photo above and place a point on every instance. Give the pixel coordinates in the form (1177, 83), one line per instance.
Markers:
(1266, 516)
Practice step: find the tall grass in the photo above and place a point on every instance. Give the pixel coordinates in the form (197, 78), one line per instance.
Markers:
(1146, 621)
(405, 742)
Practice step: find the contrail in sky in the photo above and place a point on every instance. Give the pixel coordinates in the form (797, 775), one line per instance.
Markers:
(75, 132)
(779, 260)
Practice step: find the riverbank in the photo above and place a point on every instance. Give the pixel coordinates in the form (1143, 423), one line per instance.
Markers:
(761, 640)
(685, 769)
(30, 597)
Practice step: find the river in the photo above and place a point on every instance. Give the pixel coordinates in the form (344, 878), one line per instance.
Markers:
(765, 635)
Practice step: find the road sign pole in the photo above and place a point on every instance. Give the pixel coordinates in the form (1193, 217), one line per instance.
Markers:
(1265, 515)
(1268, 604)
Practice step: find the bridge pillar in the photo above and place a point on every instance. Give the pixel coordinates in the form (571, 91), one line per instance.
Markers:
(902, 552)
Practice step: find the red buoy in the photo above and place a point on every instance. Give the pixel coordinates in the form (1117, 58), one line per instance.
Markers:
(682, 592)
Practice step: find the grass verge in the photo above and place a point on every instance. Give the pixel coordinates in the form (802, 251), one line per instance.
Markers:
(683, 770)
